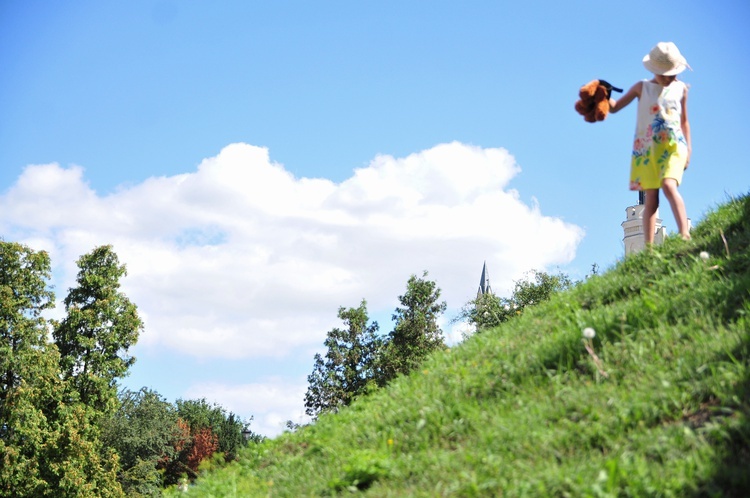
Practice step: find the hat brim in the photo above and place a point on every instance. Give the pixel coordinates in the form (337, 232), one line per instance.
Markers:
(649, 64)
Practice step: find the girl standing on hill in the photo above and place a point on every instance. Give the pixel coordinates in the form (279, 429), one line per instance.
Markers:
(661, 150)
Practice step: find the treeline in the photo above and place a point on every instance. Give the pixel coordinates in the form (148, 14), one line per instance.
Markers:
(65, 430)
(161, 444)
(359, 360)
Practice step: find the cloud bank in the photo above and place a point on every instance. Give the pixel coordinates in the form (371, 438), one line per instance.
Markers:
(241, 259)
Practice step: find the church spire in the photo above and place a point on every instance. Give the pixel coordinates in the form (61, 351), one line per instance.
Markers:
(484, 282)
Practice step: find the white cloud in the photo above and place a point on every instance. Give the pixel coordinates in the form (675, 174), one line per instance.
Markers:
(240, 259)
(271, 402)
(457, 332)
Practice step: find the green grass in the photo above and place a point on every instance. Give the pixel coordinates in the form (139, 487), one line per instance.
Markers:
(523, 409)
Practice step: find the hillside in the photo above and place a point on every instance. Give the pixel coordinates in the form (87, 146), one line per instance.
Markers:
(525, 410)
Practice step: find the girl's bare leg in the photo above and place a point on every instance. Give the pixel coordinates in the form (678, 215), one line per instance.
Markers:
(669, 186)
(649, 215)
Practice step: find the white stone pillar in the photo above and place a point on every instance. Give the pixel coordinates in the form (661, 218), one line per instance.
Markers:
(634, 239)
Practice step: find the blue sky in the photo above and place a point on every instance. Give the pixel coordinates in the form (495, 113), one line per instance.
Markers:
(256, 165)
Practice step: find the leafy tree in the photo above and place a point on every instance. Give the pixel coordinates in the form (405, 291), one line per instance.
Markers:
(207, 429)
(231, 430)
(100, 326)
(290, 426)
(176, 468)
(594, 270)
(487, 311)
(416, 334)
(349, 367)
(538, 286)
(145, 433)
(205, 443)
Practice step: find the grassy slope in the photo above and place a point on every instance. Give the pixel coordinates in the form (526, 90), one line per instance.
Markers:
(523, 410)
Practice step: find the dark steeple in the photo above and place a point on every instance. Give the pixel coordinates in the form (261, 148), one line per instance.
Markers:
(484, 282)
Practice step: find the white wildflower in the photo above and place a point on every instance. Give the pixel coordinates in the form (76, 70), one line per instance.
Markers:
(704, 255)
(589, 333)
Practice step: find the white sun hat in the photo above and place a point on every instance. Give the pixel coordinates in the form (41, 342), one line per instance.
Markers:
(665, 59)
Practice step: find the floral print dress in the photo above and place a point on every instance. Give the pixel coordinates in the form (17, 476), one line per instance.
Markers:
(659, 149)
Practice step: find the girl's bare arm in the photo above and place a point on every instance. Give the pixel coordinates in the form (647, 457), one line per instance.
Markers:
(622, 102)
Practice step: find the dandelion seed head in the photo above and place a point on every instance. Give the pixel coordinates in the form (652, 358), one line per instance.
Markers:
(704, 255)
(589, 333)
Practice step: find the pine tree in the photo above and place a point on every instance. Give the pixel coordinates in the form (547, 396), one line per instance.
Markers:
(24, 295)
(416, 333)
(349, 367)
(100, 326)
(27, 366)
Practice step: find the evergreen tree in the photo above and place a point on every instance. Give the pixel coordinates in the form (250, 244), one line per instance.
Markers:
(24, 295)
(416, 333)
(26, 369)
(349, 367)
(100, 326)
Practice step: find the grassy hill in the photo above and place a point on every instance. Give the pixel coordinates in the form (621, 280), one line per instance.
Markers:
(526, 410)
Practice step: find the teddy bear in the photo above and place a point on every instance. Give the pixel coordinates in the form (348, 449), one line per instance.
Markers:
(594, 100)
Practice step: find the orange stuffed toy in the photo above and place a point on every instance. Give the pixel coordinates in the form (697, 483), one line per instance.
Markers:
(594, 102)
